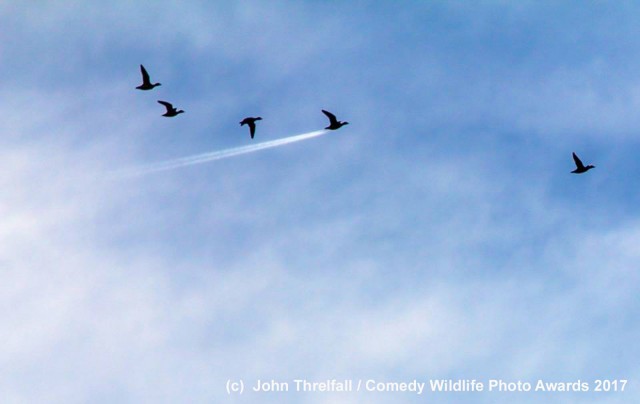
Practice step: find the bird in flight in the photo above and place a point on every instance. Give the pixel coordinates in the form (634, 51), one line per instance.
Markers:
(580, 168)
(333, 122)
(171, 111)
(252, 124)
(146, 83)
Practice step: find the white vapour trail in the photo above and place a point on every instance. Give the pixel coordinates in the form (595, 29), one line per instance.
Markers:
(215, 155)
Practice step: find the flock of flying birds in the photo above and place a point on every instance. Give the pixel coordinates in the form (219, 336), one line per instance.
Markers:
(334, 123)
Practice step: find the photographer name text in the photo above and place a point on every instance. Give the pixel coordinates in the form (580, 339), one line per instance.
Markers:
(419, 387)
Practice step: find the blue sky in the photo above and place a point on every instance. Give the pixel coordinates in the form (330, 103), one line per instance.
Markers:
(439, 235)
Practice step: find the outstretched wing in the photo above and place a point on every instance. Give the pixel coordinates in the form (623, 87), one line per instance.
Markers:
(166, 104)
(578, 161)
(145, 75)
(252, 128)
(332, 118)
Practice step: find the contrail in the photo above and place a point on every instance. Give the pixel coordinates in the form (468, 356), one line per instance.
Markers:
(215, 155)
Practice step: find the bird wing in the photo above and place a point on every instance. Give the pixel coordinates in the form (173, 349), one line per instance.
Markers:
(577, 161)
(332, 118)
(252, 128)
(166, 104)
(145, 75)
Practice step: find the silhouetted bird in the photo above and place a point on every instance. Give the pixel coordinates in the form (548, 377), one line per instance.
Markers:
(252, 124)
(334, 123)
(146, 83)
(580, 168)
(171, 111)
